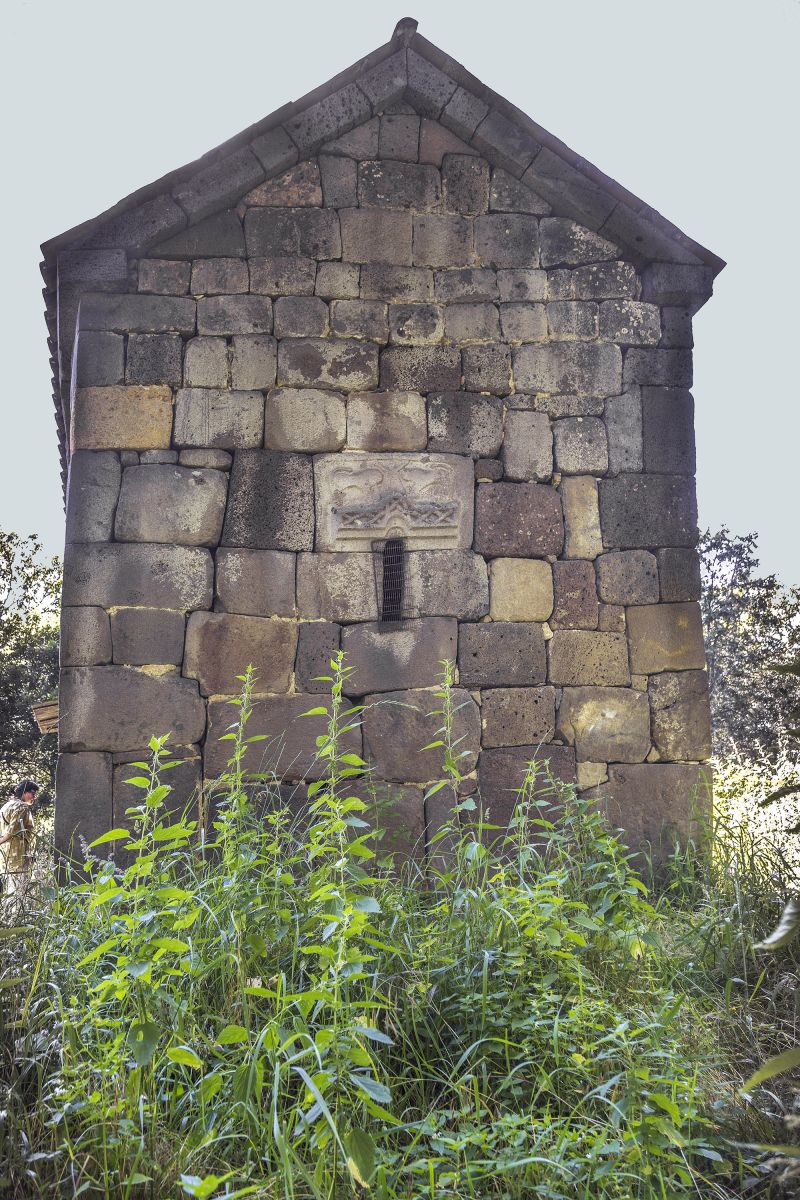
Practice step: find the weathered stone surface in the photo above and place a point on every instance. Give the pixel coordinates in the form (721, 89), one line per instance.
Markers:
(171, 504)
(386, 82)
(397, 185)
(305, 419)
(360, 143)
(253, 362)
(451, 583)
(289, 750)
(211, 417)
(566, 186)
(623, 416)
(228, 315)
(507, 240)
(317, 643)
(564, 243)
(442, 241)
(472, 284)
(218, 460)
(362, 498)
(676, 328)
(581, 656)
(99, 359)
(374, 235)
(420, 368)
(679, 574)
(665, 637)
(221, 234)
(465, 184)
(220, 183)
(83, 812)
(137, 313)
(501, 773)
(681, 715)
(428, 88)
(156, 458)
(85, 637)
(217, 276)
(256, 583)
(92, 492)
(611, 618)
(300, 316)
(147, 635)
(599, 281)
(519, 716)
(398, 724)
(605, 724)
(676, 283)
(360, 319)
(219, 647)
(518, 520)
(487, 368)
(435, 142)
(654, 803)
(270, 502)
(389, 659)
(165, 576)
(467, 323)
(580, 446)
(282, 275)
(575, 593)
(118, 708)
(630, 323)
(337, 587)
(659, 368)
(387, 282)
(509, 195)
(648, 510)
(524, 322)
(347, 365)
(558, 406)
(587, 368)
(296, 188)
(165, 277)
(527, 446)
(416, 324)
(522, 285)
(572, 320)
(582, 536)
(398, 137)
(121, 418)
(501, 654)
(520, 589)
(591, 775)
(206, 363)
(627, 577)
(386, 421)
(463, 113)
(337, 280)
(278, 232)
(465, 423)
(488, 470)
(668, 430)
(505, 142)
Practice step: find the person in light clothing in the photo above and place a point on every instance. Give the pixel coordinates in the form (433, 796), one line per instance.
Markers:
(17, 836)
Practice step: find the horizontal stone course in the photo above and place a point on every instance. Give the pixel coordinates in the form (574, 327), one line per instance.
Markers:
(344, 364)
(605, 724)
(518, 520)
(581, 656)
(305, 419)
(386, 421)
(665, 637)
(501, 654)
(147, 635)
(385, 660)
(648, 511)
(517, 716)
(117, 708)
(219, 418)
(171, 504)
(179, 577)
(220, 646)
(256, 583)
(121, 418)
(270, 502)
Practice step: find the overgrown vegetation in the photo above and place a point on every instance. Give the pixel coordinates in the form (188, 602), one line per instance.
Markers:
(276, 1012)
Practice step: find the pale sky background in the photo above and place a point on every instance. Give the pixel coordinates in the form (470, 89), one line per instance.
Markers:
(691, 104)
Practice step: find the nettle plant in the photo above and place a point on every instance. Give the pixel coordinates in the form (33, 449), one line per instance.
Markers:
(246, 1001)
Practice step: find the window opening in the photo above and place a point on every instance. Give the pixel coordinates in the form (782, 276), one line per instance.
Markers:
(390, 571)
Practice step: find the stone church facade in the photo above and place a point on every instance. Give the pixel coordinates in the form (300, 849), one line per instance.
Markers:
(393, 372)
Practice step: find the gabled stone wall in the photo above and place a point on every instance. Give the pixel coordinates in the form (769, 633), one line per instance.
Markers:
(393, 334)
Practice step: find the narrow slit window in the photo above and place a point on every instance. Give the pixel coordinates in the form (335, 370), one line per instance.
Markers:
(392, 580)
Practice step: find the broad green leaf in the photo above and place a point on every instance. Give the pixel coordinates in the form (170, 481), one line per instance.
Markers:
(100, 950)
(113, 835)
(669, 1106)
(184, 1056)
(360, 1156)
(142, 1040)
(373, 1088)
(367, 904)
(232, 1034)
(374, 1035)
(170, 945)
(315, 712)
(773, 1066)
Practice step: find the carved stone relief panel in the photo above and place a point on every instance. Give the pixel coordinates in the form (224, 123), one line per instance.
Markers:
(425, 498)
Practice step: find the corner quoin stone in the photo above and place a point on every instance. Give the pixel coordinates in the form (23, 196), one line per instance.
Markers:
(665, 637)
(118, 708)
(121, 418)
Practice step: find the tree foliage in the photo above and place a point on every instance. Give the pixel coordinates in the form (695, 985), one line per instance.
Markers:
(30, 586)
(752, 624)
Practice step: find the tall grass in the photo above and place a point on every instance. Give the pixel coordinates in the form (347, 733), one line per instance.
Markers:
(270, 1008)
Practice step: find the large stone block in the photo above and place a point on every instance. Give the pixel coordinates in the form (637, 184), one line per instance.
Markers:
(398, 137)
(472, 285)
(468, 323)
(566, 185)
(119, 708)
(581, 517)
(221, 234)
(518, 716)
(523, 322)
(254, 360)
(525, 285)
(385, 659)
(171, 504)
(507, 240)
(521, 589)
(298, 187)
(581, 656)
(465, 184)
(654, 803)
(206, 362)
(218, 418)
(282, 275)
(598, 281)
(305, 419)
(448, 583)
(270, 502)
(623, 415)
(289, 749)
(121, 418)
(385, 83)
(137, 313)
(587, 368)
(463, 113)
(360, 143)
(339, 280)
(361, 498)
(278, 232)
(575, 593)
(386, 421)
(676, 283)
(274, 149)
(92, 493)
(371, 235)
(668, 431)
(501, 654)
(83, 804)
(580, 446)
(659, 368)
(567, 244)
(99, 359)
(387, 282)
(397, 725)
(509, 195)
(605, 724)
(421, 368)
(147, 635)
(337, 587)
(501, 773)
(300, 316)
(518, 520)
(527, 446)
(85, 637)
(218, 184)
(465, 423)
(435, 142)
(317, 644)
(630, 323)
(505, 142)
(679, 574)
(180, 577)
(429, 89)
(665, 637)
(442, 241)
(416, 324)
(572, 320)
(166, 277)
(628, 577)
(256, 583)
(347, 365)
(681, 715)
(223, 316)
(219, 647)
(216, 276)
(386, 184)
(360, 319)
(648, 510)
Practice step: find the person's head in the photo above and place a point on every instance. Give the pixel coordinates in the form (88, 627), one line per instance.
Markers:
(26, 790)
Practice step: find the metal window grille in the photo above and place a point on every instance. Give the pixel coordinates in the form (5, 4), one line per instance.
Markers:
(390, 579)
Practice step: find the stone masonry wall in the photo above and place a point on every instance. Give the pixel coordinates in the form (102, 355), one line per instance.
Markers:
(392, 316)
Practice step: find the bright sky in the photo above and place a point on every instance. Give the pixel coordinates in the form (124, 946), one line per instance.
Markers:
(692, 104)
